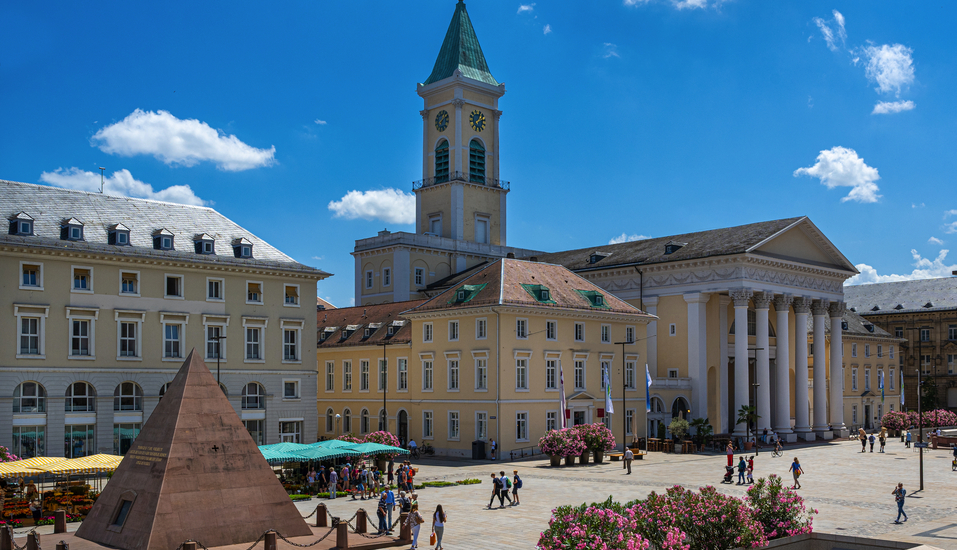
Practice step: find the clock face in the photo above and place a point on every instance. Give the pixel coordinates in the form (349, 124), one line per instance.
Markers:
(477, 119)
(442, 121)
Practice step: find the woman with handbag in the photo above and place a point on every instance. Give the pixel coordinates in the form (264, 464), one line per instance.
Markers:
(415, 521)
(438, 527)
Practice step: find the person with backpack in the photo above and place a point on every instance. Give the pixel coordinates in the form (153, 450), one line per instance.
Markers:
(506, 487)
(496, 489)
(405, 504)
(516, 485)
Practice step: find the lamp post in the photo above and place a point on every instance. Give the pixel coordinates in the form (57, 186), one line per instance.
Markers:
(384, 380)
(756, 386)
(920, 429)
(338, 417)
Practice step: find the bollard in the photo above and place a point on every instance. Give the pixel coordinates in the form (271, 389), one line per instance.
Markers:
(59, 521)
(62, 546)
(6, 537)
(405, 530)
(342, 536)
(270, 540)
(189, 545)
(361, 520)
(33, 541)
(321, 516)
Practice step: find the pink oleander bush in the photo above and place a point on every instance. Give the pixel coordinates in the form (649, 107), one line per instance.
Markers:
(383, 438)
(350, 438)
(895, 420)
(597, 436)
(7, 456)
(780, 510)
(603, 526)
(940, 417)
(564, 442)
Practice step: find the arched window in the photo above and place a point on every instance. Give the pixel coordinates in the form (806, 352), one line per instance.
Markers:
(254, 396)
(128, 396)
(476, 161)
(29, 397)
(346, 421)
(223, 387)
(163, 389)
(330, 420)
(80, 397)
(364, 421)
(657, 405)
(442, 162)
(680, 409)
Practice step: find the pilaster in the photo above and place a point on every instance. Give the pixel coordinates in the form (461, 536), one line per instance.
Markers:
(762, 354)
(651, 306)
(698, 352)
(782, 391)
(802, 306)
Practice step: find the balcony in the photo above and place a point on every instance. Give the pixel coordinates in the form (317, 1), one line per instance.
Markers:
(462, 177)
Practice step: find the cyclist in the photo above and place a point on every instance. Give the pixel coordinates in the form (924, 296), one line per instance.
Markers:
(413, 449)
(778, 448)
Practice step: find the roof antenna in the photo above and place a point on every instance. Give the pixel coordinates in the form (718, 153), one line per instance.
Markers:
(101, 179)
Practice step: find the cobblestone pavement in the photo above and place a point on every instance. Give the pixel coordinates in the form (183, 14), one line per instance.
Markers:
(851, 490)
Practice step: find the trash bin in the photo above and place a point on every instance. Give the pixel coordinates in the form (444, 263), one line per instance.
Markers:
(478, 450)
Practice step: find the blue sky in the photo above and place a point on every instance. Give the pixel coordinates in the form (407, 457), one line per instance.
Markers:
(622, 118)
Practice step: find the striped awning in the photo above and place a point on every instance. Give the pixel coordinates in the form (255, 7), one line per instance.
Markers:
(84, 465)
(28, 467)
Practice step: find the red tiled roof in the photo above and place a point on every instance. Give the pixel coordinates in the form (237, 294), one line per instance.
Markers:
(361, 317)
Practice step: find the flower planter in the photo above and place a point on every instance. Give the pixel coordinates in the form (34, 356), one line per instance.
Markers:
(570, 460)
(748, 445)
(599, 457)
(583, 458)
(556, 460)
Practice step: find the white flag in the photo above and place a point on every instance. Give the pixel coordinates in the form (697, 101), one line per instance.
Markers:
(647, 389)
(561, 394)
(609, 407)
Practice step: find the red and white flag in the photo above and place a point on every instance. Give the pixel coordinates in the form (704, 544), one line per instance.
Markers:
(561, 394)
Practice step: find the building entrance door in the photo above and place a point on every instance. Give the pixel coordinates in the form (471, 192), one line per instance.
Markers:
(867, 417)
(578, 418)
(403, 422)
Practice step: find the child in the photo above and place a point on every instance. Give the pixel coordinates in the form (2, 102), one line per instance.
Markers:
(751, 469)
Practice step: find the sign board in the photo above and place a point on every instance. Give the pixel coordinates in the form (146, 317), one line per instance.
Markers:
(920, 445)
(491, 418)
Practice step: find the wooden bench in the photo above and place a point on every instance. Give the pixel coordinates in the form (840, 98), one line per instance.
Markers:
(621, 456)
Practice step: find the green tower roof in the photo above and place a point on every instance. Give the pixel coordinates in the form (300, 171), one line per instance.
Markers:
(461, 50)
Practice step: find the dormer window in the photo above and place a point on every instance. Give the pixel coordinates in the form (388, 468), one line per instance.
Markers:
(391, 330)
(899, 306)
(541, 293)
(929, 305)
(163, 240)
(205, 244)
(595, 298)
(672, 247)
(460, 295)
(118, 235)
(369, 332)
(465, 293)
(596, 257)
(71, 230)
(545, 295)
(21, 224)
(870, 328)
(242, 248)
(843, 325)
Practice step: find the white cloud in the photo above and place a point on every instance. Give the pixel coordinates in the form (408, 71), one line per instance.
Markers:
(950, 227)
(890, 107)
(949, 213)
(320, 122)
(610, 50)
(924, 268)
(547, 29)
(388, 205)
(179, 142)
(935, 240)
(835, 35)
(526, 7)
(690, 4)
(319, 259)
(119, 184)
(915, 205)
(841, 167)
(891, 67)
(626, 238)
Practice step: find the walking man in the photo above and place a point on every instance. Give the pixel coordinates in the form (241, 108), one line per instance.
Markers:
(389, 506)
(899, 494)
(629, 456)
(496, 489)
(871, 441)
(506, 485)
(908, 440)
(333, 482)
(742, 468)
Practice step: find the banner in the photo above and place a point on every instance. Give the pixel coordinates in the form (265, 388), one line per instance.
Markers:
(561, 395)
(647, 389)
(902, 390)
(880, 382)
(609, 407)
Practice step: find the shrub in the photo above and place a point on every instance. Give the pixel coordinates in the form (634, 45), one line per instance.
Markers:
(679, 427)
(338, 494)
(437, 484)
(597, 436)
(350, 438)
(564, 442)
(780, 510)
(894, 420)
(605, 526)
(939, 417)
(7, 456)
(300, 497)
(470, 481)
(383, 438)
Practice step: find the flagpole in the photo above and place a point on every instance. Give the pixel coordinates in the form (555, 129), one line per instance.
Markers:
(561, 390)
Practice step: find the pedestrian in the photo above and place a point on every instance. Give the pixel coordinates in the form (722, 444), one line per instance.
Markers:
(506, 486)
(411, 477)
(333, 482)
(391, 467)
(882, 438)
(438, 525)
(415, 521)
(797, 471)
(862, 435)
(907, 445)
(381, 514)
(730, 454)
(359, 487)
(414, 498)
(516, 485)
(322, 480)
(493, 448)
(311, 480)
(405, 505)
(742, 468)
(496, 488)
(400, 475)
(629, 456)
(871, 441)
(751, 469)
(390, 506)
(344, 476)
(899, 494)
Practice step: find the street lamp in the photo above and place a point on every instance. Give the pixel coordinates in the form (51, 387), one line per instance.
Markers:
(756, 386)
(338, 417)
(624, 389)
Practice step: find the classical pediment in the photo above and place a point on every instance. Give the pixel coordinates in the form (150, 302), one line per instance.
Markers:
(803, 242)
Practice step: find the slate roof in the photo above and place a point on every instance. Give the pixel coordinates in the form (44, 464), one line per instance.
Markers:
(50, 206)
(856, 327)
(503, 282)
(702, 244)
(323, 304)
(359, 318)
(461, 50)
(910, 296)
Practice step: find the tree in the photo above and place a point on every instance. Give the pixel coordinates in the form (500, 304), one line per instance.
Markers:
(703, 430)
(678, 427)
(748, 416)
(928, 395)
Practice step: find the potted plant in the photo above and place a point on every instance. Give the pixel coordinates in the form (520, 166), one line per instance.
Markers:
(598, 439)
(553, 444)
(679, 428)
(703, 432)
(748, 416)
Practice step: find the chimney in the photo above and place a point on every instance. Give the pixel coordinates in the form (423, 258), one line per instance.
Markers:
(510, 255)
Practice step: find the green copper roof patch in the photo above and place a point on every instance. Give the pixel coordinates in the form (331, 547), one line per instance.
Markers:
(465, 293)
(596, 299)
(539, 292)
(461, 50)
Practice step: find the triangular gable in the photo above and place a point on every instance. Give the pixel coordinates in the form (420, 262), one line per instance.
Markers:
(580, 395)
(803, 241)
(193, 472)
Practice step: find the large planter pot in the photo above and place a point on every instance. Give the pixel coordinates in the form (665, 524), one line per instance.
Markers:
(556, 460)
(748, 445)
(570, 460)
(599, 457)
(583, 458)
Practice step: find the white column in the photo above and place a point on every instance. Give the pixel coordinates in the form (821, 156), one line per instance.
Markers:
(721, 424)
(740, 297)
(782, 362)
(651, 307)
(837, 369)
(819, 312)
(802, 423)
(698, 352)
(762, 366)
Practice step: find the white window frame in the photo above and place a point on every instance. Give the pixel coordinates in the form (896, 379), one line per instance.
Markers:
(453, 372)
(550, 418)
(182, 286)
(867, 379)
(521, 419)
(673, 329)
(867, 350)
(428, 424)
(522, 370)
(370, 279)
(521, 328)
(552, 358)
(347, 376)
(79, 314)
(630, 422)
(222, 289)
(453, 331)
(891, 352)
(221, 321)
(605, 362)
(418, 275)
(584, 369)
(258, 327)
(386, 276)
(428, 372)
(364, 375)
(853, 350)
(481, 328)
(481, 419)
(551, 330)
(480, 360)
(853, 414)
(630, 334)
(262, 291)
(73, 270)
(454, 419)
(294, 326)
(673, 373)
(631, 367)
(579, 332)
(402, 375)
(880, 350)
(285, 294)
(173, 319)
(382, 376)
(136, 278)
(854, 379)
(605, 334)
(126, 316)
(330, 376)
(39, 285)
(892, 378)
(488, 228)
(298, 382)
(428, 333)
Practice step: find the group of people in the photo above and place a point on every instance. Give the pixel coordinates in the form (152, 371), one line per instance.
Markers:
(502, 485)
(746, 470)
(880, 437)
(415, 520)
(360, 481)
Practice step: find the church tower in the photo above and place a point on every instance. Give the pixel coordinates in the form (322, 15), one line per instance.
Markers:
(460, 200)
(460, 195)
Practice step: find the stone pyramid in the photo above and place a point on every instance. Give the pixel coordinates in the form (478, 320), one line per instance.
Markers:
(193, 472)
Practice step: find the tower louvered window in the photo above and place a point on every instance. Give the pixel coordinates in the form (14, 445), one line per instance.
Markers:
(442, 162)
(476, 161)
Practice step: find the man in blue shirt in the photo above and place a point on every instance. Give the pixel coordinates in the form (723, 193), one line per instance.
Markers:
(389, 506)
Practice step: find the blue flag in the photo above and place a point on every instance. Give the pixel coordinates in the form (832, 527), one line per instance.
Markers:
(880, 382)
(647, 389)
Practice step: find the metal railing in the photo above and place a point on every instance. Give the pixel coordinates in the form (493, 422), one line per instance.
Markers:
(463, 177)
(524, 452)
